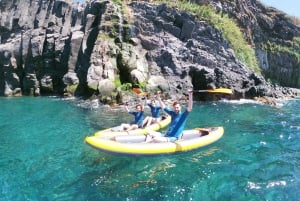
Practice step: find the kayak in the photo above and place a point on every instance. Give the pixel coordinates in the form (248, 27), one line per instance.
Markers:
(135, 144)
(140, 131)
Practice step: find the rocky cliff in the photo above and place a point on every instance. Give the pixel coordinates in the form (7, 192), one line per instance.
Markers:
(101, 48)
(274, 35)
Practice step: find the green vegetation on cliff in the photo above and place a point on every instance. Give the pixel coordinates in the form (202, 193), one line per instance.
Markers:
(291, 48)
(229, 28)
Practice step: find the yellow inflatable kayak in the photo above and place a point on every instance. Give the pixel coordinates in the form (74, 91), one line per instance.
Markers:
(135, 144)
(154, 127)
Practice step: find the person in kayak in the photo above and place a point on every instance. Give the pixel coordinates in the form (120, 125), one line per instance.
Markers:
(155, 114)
(178, 121)
(138, 118)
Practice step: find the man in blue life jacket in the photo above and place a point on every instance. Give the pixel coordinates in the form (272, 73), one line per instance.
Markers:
(178, 120)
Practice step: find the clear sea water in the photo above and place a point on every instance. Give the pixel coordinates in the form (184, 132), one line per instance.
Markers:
(44, 157)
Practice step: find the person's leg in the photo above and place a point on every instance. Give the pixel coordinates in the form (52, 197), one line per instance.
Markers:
(155, 120)
(160, 139)
(132, 127)
(124, 127)
(145, 121)
(151, 135)
(156, 137)
(149, 121)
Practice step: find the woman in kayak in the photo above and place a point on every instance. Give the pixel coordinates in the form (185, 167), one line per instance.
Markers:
(178, 120)
(138, 118)
(155, 114)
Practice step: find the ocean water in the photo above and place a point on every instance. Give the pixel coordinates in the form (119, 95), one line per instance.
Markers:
(44, 157)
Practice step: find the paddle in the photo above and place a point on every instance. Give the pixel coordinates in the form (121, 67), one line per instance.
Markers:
(219, 90)
(139, 91)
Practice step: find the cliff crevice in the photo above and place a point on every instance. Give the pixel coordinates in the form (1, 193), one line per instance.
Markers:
(102, 49)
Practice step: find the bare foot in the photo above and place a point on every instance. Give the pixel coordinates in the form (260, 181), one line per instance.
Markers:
(148, 138)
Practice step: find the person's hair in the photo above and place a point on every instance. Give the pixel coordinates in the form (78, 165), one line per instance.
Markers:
(138, 105)
(176, 103)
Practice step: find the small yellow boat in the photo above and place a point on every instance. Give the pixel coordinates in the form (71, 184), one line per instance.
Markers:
(135, 144)
(140, 131)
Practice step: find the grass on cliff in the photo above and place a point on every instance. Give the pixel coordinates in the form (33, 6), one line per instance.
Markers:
(293, 48)
(229, 28)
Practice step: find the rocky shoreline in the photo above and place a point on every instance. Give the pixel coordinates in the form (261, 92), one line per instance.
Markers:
(100, 49)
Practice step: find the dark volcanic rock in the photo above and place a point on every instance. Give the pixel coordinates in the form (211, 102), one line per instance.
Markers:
(56, 47)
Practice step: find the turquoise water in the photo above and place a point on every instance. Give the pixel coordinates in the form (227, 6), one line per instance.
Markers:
(43, 155)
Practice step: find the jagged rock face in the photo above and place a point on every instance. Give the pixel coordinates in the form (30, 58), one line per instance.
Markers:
(56, 47)
(263, 24)
(192, 53)
(35, 46)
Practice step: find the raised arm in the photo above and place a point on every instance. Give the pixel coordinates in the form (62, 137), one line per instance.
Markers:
(190, 103)
(144, 103)
(126, 107)
(161, 103)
